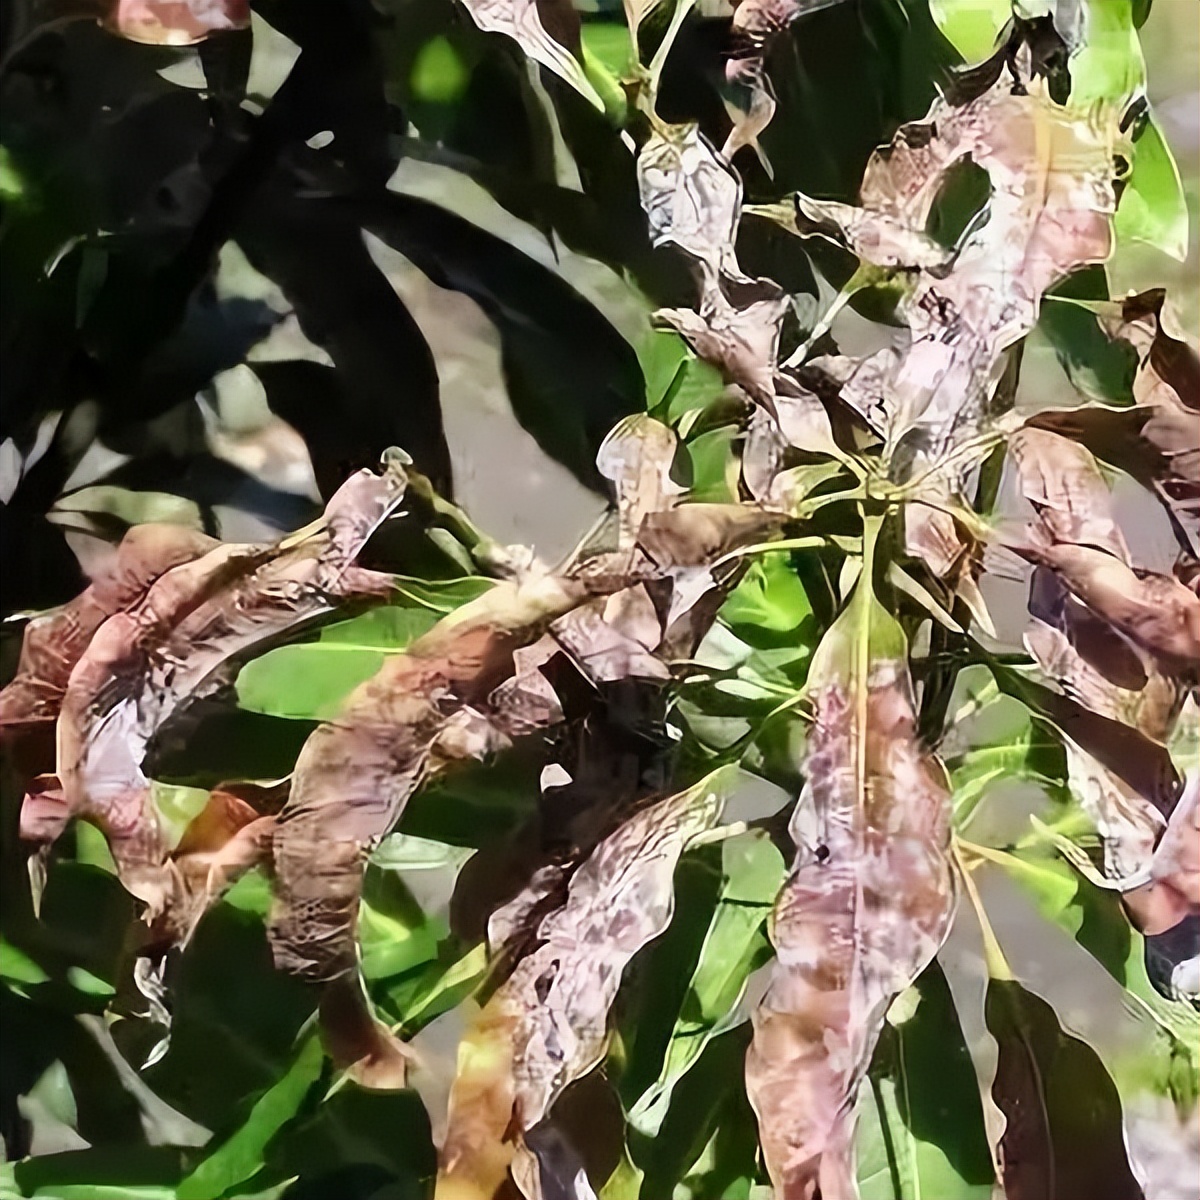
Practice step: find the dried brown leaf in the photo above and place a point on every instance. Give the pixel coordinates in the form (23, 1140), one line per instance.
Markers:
(176, 22)
(865, 908)
(54, 643)
(1157, 441)
(1051, 173)
(547, 1025)
(637, 456)
(1097, 668)
(1155, 612)
(1063, 483)
(145, 664)
(424, 710)
(691, 197)
(1173, 891)
(546, 30)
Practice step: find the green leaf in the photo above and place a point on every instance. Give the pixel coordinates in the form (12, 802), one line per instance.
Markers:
(769, 596)
(714, 467)
(1153, 208)
(1094, 917)
(241, 1155)
(12, 185)
(610, 44)
(734, 946)
(921, 1130)
(297, 683)
(438, 991)
(104, 1191)
(395, 933)
(972, 27)
(1109, 65)
(439, 75)
(251, 893)
(1101, 367)
(17, 967)
(310, 681)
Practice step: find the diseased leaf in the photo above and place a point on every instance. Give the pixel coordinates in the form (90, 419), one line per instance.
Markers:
(1050, 212)
(864, 909)
(54, 643)
(146, 663)
(1061, 480)
(1097, 669)
(548, 32)
(692, 198)
(637, 456)
(421, 711)
(175, 22)
(1173, 891)
(547, 1024)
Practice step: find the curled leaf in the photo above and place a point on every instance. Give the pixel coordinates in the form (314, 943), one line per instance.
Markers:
(1173, 891)
(1052, 199)
(1061, 480)
(146, 663)
(54, 643)
(865, 908)
(691, 197)
(741, 342)
(637, 456)
(423, 710)
(548, 1023)
(1157, 440)
(546, 30)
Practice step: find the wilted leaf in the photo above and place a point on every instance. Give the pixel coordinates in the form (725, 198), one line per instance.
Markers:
(1157, 441)
(548, 32)
(1096, 668)
(1063, 483)
(547, 1024)
(692, 198)
(1173, 891)
(1156, 613)
(864, 910)
(637, 456)
(176, 22)
(54, 643)
(423, 710)
(742, 342)
(146, 663)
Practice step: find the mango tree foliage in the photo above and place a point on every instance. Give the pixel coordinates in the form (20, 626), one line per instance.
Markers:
(753, 844)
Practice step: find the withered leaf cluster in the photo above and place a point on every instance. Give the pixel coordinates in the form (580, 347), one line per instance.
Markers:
(904, 483)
